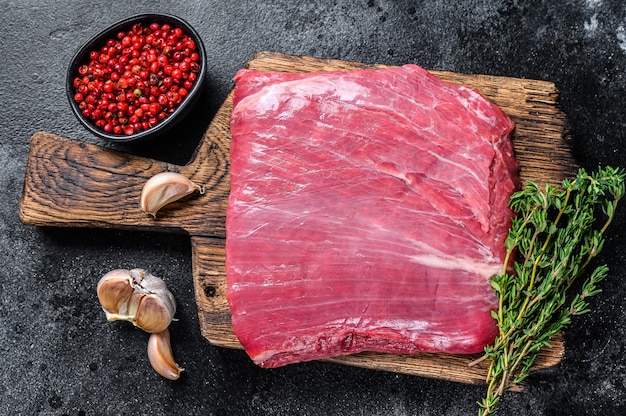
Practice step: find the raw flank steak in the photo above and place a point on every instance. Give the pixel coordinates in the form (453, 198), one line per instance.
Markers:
(368, 210)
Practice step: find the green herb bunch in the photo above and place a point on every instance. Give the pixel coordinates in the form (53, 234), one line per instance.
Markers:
(556, 233)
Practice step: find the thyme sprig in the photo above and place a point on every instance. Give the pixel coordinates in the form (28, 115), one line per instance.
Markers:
(556, 233)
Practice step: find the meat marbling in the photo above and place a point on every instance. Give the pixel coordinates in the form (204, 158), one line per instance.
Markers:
(368, 210)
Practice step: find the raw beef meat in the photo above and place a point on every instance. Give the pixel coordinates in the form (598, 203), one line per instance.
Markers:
(368, 210)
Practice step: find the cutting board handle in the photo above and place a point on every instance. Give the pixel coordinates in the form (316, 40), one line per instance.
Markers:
(71, 183)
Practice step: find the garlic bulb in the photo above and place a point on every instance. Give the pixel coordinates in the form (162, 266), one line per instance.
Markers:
(161, 356)
(163, 188)
(138, 297)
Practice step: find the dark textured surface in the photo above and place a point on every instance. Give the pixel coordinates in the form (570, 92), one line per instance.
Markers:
(60, 356)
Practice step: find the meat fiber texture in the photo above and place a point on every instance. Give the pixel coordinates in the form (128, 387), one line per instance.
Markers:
(368, 210)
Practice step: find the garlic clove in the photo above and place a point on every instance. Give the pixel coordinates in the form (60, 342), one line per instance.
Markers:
(154, 313)
(164, 188)
(161, 356)
(128, 311)
(113, 290)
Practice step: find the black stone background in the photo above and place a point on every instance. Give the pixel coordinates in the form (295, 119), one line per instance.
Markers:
(60, 356)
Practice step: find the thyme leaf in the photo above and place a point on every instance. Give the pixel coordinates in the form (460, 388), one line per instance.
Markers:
(555, 234)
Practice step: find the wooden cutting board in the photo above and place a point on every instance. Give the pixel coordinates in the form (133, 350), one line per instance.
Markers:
(69, 183)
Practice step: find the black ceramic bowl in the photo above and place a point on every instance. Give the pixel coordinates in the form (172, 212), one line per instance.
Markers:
(82, 57)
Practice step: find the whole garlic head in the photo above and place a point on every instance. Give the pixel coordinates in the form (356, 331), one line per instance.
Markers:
(138, 297)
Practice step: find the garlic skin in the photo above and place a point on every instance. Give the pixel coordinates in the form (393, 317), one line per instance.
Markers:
(138, 297)
(161, 356)
(164, 188)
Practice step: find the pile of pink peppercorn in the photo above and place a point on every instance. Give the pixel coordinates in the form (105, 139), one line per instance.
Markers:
(137, 79)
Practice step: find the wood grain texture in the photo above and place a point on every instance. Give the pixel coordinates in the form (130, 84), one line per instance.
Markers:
(70, 183)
